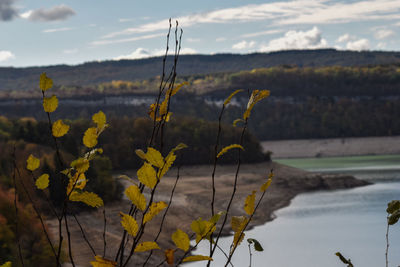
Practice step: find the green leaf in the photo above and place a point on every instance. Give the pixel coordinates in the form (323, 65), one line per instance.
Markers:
(394, 218)
(344, 260)
(257, 245)
(393, 206)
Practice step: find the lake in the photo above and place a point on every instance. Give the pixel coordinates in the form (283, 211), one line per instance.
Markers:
(314, 226)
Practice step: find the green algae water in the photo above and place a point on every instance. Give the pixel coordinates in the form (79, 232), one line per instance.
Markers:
(316, 225)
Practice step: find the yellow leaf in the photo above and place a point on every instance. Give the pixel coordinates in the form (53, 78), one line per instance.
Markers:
(140, 154)
(147, 175)
(89, 198)
(181, 240)
(249, 203)
(164, 107)
(6, 264)
(78, 181)
(50, 104)
(256, 96)
(81, 165)
(59, 129)
(228, 100)
(137, 198)
(169, 160)
(100, 119)
(197, 258)
(235, 122)
(227, 148)
(42, 182)
(92, 153)
(129, 224)
(266, 185)
(178, 147)
(215, 218)
(152, 112)
(167, 117)
(145, 246)
(90, 137)
(202, 228)
(154, 209)
(45, 82)
(154, 157)
(32, 163)
(175, 89)
(238, 224)
(101, 262)
(169, 255)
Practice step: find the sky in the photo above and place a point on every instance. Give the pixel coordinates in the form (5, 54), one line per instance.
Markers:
(50, 32)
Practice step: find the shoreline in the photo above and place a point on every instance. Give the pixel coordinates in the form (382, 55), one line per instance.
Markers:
(332, 147)
(192, 200)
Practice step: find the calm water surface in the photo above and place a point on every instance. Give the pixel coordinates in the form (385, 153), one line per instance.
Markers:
(316, 225)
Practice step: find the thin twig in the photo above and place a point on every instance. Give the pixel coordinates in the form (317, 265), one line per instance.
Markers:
(233, 191)
(387, 243)
(69, 241)
(16, 211)
(104, 231)
(38, 214)
(164, 216)
(84, 235)
(249, 254)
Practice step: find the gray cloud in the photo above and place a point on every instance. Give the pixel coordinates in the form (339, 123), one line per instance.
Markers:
(61, 12)
(7, 11)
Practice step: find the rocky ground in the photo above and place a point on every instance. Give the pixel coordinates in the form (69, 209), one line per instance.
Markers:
(333, 147)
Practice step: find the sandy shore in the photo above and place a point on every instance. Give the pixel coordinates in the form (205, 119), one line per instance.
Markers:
(333, 147)
(192, 200)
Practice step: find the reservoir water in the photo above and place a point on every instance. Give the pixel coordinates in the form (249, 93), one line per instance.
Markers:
(314, 226)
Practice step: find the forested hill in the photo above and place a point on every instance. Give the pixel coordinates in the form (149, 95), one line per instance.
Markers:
(98, 72)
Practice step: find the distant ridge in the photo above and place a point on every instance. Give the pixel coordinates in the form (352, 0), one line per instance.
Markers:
(96, 72)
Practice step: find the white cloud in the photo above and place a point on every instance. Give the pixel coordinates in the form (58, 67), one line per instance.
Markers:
(383, 34)
(255, 34)
(56, 30)
(284, 13)
(193, 40)
(345, 38)
(381, 46)
(56, 13)
(125, 20)
(6, 55)
(358, 45)
(311, 39)
(244, 45)
(145, 53)
(127, 40)
(70, 51)
(220, 39)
